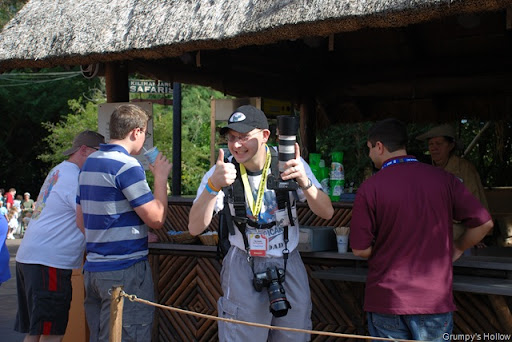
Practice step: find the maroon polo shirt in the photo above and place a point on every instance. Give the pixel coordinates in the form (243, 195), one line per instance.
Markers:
(406, 211)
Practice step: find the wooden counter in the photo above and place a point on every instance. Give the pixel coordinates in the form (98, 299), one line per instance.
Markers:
(188, 276)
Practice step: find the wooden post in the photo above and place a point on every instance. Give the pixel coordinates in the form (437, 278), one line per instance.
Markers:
(116, 82)
(307, 127)
(331, 42)
(116, 314)
(508, 19)
(212, 133)
(176, 139)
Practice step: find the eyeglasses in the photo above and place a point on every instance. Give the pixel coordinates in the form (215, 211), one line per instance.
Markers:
(145, 132)
(240, 138)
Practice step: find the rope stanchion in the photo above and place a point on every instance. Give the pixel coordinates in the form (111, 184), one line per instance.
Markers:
(116, 313)
(134, 298)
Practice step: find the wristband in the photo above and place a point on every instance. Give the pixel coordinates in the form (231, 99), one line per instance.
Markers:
(310, 184)
(211, 186)
(212, 192)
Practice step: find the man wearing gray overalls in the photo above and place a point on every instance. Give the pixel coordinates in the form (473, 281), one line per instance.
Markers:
(263, 277)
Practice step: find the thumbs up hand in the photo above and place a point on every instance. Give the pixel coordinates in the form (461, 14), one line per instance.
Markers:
(224, 173)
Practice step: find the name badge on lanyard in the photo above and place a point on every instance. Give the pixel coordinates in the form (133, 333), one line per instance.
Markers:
(258, 244)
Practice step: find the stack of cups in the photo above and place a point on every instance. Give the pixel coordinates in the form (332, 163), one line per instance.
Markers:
(342, 238)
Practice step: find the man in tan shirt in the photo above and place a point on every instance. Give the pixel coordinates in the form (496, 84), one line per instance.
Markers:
(442, 145)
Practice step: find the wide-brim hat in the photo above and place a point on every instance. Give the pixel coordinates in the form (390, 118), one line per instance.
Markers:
(87, 138)
(244, 119)
(445, 130)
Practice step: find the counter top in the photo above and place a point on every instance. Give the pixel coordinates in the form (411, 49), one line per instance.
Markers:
(475, 261)
(475, 284)
(478, 274)
(181, 247)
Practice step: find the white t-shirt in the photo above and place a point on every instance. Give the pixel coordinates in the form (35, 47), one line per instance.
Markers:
(52, 238)
(17, 203)
(274, 235)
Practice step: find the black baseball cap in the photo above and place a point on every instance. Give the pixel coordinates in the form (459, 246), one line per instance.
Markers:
(87, 138)
(244, 119)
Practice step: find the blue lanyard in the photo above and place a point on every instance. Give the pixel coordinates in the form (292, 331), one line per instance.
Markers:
(398, 161)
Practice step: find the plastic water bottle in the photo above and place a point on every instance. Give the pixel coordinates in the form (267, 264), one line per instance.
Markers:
(314, 160)
(337, 176)
(324, 177)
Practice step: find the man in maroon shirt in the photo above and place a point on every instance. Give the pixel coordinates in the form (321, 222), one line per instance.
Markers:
(402, 222)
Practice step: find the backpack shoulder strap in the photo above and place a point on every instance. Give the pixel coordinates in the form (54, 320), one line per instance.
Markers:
(235, 195)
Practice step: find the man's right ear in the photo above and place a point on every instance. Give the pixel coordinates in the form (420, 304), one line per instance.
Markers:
(380, 147)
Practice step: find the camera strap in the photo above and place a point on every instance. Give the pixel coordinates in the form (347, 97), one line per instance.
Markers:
(283, 203)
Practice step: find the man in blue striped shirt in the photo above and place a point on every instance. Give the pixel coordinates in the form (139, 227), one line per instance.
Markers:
(115, 206)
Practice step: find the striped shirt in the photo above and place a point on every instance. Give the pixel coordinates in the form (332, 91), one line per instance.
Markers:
(112, 183)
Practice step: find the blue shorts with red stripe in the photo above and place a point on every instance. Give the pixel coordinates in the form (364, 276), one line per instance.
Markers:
(44, 298)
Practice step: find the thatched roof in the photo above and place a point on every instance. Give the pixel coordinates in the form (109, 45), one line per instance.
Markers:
(52, 32)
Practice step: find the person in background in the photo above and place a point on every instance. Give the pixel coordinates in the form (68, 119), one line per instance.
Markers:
(442, 145)
(9, 198)
(17, 203)
(5, 272)
(12, 221)
(115, 206)
(27, 207)
(401, 222)
(265, 242)
(26, 221)
(2, 195)
(52, 247)
(3, 209)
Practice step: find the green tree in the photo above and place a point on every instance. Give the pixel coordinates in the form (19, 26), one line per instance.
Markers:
(26, 100)
(492, 155)
(195, 131)
(84, 116)
(8, 8)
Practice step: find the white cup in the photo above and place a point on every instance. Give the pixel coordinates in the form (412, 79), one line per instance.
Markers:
(342, 243)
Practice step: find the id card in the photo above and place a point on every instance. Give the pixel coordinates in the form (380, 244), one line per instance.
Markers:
(258, 244)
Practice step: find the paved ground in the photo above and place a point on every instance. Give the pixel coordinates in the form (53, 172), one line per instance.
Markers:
(8, 300)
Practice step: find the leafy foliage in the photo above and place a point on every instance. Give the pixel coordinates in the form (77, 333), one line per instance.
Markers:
(195, 131)
(8, 8)
(84, 116)
(24, 103)
(492, 155)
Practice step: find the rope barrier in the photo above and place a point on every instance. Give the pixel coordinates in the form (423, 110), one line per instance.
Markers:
(134, 298)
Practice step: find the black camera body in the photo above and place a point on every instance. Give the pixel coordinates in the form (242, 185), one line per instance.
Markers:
(276, 183)
(273, 279)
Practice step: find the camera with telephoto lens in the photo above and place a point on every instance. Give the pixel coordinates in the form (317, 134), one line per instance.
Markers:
(273, 279)
(288, 127)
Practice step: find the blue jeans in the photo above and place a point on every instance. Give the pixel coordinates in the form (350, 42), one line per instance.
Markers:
(410, 327)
